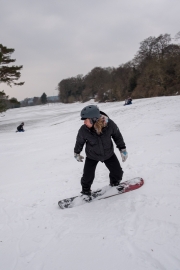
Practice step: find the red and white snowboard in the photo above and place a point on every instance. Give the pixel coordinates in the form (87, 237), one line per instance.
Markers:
(102, 193)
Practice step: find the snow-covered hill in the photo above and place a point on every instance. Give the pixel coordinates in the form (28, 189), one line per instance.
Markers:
(137, 230)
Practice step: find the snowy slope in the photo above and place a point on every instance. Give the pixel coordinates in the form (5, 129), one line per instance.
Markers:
(137, 230)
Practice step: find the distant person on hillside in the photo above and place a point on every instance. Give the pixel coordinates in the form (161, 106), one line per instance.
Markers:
(128, 101)
(20, 127)
(97, 133)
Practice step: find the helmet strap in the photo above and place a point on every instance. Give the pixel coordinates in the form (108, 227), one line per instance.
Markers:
(93, 120)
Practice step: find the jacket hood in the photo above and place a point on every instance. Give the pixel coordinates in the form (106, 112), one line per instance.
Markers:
(103, 113)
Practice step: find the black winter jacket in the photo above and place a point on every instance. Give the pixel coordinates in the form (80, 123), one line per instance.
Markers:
(20, 127)
(99, 147)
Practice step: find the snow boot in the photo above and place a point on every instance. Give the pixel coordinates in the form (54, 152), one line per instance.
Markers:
(86, 192)
(115, 184)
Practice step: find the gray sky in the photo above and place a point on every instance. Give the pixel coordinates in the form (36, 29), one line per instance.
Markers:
(57, 39)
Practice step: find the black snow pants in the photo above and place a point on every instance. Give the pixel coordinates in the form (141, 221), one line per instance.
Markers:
(113, 166)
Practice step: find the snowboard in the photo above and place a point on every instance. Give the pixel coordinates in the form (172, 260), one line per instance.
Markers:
(102, 193)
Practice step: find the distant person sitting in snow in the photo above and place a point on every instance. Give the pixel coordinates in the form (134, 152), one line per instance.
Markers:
(20, 128)
(128, 101)
(97, 134)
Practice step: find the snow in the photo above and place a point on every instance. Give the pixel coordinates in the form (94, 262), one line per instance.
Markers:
(136, 230)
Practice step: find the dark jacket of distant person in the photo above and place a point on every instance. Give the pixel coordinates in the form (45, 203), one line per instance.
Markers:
(20, 127)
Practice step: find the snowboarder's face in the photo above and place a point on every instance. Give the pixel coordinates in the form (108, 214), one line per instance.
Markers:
(88, 123)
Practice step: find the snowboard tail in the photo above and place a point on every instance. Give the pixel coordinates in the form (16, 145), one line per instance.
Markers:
(102, 193)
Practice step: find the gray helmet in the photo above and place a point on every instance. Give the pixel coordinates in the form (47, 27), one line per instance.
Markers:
(91, 112)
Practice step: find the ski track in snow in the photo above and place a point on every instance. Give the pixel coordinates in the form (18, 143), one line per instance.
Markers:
(136, 230)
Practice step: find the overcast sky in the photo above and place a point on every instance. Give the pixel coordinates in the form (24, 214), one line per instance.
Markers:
(57, 39)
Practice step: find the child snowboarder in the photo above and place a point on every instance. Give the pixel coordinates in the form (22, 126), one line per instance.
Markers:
(96, 133)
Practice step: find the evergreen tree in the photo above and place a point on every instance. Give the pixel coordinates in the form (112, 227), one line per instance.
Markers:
(44, 98)
(3, 101)
(8, 74)
(14, 103)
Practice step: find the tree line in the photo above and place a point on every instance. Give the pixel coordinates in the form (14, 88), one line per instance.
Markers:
(43, 99)
(154, 71)
(34, 101)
